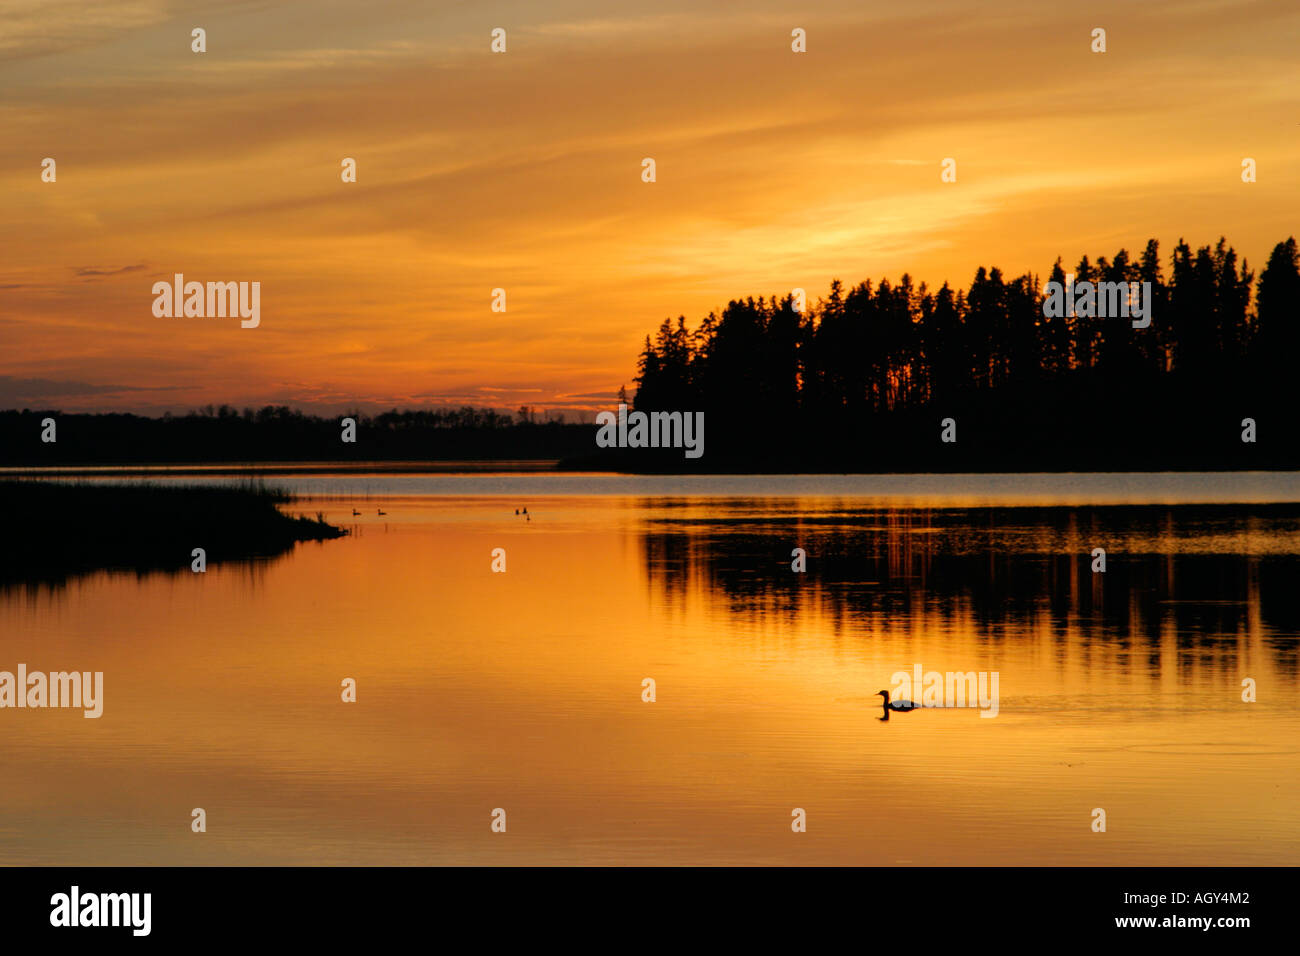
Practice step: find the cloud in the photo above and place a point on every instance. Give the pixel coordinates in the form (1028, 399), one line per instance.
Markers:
(31, 28)
(19, 391)
(605, 28)
(88, 272)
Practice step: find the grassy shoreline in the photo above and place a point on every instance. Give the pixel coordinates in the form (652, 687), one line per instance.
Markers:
(58, 529)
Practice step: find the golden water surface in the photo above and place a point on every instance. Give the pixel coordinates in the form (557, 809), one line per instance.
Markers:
(523, 690)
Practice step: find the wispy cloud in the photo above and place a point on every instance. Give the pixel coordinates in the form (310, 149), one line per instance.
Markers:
(36, 27)
(17, 391)
(90, 272)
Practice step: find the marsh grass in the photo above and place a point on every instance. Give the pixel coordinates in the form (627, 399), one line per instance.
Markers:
(58, 529)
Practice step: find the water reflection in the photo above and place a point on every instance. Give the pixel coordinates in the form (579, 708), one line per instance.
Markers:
(32, 583)
(1216, 580)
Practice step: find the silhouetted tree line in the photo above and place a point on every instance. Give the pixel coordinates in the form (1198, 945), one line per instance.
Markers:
(863, 377)
(279, 433)
(858, 382)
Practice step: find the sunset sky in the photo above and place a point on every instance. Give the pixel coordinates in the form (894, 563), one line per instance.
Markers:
(523, 170)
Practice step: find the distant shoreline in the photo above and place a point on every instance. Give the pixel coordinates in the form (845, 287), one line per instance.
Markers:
(337, 494)
(1093, 426)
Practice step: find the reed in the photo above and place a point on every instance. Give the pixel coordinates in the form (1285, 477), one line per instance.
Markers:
(57, 529)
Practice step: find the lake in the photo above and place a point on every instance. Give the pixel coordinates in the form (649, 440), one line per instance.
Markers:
(476, 690)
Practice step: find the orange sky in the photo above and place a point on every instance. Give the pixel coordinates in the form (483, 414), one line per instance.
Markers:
(479, 170)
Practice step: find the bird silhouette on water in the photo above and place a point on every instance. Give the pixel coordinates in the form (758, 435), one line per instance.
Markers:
(897, 706)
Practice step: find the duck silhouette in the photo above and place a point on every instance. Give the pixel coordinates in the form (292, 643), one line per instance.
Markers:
(381, 511)
(355, 511)
(897, 706)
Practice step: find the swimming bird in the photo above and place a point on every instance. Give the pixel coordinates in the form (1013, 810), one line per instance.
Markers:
(898, 706)
(516, 511)
(355, 511)
(381, 511)
(525, 510)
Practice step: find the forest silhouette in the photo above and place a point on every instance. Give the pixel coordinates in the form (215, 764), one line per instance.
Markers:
(860, 381)
(864, 377)
(278, 433)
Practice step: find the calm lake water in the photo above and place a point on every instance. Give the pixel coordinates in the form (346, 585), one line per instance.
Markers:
(523, 690)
